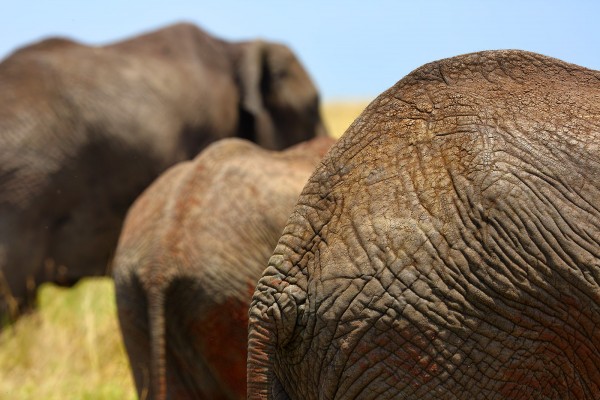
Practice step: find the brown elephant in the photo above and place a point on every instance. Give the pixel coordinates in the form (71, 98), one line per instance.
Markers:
(191, 250)
(447, 247)
(83, 130)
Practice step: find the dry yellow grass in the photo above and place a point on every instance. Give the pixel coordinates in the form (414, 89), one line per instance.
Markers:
(71, 348)
(339, 115)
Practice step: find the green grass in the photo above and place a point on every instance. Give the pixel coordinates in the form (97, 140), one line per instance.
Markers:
(71, 347)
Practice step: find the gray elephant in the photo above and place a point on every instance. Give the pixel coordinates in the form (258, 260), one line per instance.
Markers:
(83, 130)
(447, 247)
(191, 251)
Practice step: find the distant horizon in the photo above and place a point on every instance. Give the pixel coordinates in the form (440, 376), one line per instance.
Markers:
(354, 51)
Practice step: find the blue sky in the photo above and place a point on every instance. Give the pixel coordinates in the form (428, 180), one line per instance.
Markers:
(353, 49)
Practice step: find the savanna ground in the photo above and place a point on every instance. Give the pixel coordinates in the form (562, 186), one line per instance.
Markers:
(70, 347)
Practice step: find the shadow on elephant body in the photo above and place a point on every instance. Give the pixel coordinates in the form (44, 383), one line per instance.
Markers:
(192, 247)
(85, 129)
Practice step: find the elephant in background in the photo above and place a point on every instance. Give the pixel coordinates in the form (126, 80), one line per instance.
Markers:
(83, 130)
(447, 247)
(192, 248)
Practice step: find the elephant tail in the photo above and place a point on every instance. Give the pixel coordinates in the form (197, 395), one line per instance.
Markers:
(273, 313)
(158, 367)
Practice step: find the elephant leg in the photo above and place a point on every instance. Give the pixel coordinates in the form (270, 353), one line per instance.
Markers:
(9, 300)
(133, 318)
(21, 267)
(219, 337)
(196, 348)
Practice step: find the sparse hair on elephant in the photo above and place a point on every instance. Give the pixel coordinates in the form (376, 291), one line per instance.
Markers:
(83, 130)
(192, 248)
(447, 247)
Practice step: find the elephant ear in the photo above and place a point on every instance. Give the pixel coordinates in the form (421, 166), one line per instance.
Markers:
(257, 124)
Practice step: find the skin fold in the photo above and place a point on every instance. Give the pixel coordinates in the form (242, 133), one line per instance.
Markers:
(448, 246)
(192, 248)
(83, 130)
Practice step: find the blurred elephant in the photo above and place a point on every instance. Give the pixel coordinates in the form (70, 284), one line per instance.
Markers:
(83, 130)
(191, 251)
(447, 247)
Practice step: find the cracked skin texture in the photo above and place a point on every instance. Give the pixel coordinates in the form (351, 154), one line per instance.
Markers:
(448, 247)
(192, 248)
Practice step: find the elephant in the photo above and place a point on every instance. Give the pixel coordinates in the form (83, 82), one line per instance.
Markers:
(84, 129)
(447, 247)
(192, 248)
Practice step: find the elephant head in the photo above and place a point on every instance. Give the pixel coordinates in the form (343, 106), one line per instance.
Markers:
(83, 130)
(279, 104)
(447, 247)
(192, 248)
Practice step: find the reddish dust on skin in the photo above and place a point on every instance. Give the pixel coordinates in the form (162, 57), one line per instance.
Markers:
(557, 363)
(521, 385)
(223, 334)
(411, 364)
(275, 282)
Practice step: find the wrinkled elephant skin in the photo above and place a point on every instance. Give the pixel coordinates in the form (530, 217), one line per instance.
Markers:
(448, 246)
